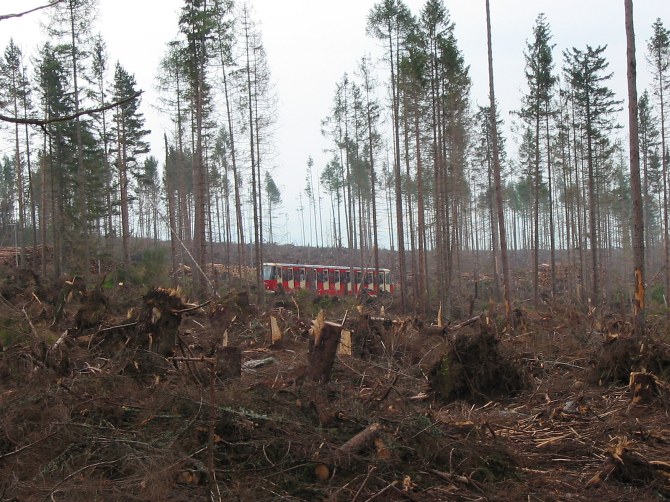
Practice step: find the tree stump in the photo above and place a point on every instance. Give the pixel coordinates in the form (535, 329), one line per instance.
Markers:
(322, 349)
(228, 363)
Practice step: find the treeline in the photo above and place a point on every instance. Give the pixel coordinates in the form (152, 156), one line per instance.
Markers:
(80, 177)
(566, 190)
(411, 155)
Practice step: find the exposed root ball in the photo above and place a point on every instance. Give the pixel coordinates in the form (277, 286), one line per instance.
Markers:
(474, 369)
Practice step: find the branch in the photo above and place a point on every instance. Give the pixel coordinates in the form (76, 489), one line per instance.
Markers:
(19, 450)
(65, 118)
(9, 16)
(191, 308)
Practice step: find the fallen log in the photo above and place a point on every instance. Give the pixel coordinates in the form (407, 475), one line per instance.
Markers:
(365, 438)
(360, 440)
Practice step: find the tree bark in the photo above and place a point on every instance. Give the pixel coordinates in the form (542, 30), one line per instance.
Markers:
(636, 188)
(496, 174)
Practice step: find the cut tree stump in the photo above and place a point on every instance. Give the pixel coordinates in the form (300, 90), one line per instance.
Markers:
(276, 332)
(323, 343)
(344, 348)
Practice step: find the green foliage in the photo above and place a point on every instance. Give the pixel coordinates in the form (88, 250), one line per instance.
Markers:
(151, 270)
(657, 294)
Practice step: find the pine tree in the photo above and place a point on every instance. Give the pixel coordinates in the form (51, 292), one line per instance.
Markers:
(72, 21)
(496, 173)
(274, 199)
(391, 22)
(173, 84)
(129, 132)
(225, 37)
(15, 88)
(197, 25)
(58, 154)
(536, 111)
(636, 187)
(658, 55)
(372, 139)
(148, 190)
(596, 104)
(651, 177)
(99, 67)
(332, 179)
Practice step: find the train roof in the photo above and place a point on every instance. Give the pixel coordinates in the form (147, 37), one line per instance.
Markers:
(322, 266)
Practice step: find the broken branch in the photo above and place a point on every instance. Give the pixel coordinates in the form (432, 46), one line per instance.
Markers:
(21, 14)
(65, 118)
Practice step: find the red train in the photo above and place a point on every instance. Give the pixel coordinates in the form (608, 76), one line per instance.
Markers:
(333, 280)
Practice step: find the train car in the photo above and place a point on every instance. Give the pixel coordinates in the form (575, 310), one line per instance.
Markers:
(333, 280)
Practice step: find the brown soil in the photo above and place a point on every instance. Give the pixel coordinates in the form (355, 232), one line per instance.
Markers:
(130, 394)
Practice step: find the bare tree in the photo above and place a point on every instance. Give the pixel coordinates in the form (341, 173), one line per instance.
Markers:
(636, 187)
(496, 174)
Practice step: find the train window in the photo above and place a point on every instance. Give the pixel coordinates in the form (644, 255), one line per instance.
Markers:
(358, 276)
(337, 275)
(287, 274)
(299, 274)
(269, 272)
(320, 275)
(347, 277)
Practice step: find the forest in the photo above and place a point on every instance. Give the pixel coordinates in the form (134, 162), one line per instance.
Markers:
(523, 355)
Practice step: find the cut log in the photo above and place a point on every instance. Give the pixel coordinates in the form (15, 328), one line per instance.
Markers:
(364, 438)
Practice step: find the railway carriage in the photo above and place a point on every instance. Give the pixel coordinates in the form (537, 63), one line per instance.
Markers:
(334, 280)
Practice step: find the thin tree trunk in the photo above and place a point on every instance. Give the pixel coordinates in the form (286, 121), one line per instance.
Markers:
(170, 195)
(252, 151)
(81, 172)
(496, 174)
(636, 188)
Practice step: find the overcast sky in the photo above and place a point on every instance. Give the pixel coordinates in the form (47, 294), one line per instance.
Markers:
(310, 44)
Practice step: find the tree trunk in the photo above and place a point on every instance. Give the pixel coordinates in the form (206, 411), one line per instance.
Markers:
(636, 188)
(496, 175)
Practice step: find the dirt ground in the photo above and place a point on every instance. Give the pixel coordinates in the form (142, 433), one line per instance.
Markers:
(122, 393)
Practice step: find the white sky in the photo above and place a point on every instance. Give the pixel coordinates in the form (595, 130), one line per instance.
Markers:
(310, 44)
